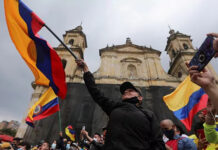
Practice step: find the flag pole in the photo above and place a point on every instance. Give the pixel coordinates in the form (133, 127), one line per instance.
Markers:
(61, 41)
(59, 116)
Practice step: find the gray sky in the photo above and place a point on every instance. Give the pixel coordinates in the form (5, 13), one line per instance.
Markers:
(104, 22)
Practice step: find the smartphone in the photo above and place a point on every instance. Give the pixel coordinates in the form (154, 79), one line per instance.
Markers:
(84, 128)
(204, 54)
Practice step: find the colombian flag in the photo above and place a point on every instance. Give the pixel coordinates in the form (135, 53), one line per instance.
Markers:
(186, 101)
(44, 107)
(23, 25)
(70, 132)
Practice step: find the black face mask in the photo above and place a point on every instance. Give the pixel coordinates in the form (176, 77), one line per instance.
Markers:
(133, 100)
(169, 134)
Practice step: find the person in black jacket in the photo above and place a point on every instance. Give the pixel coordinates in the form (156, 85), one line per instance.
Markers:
(130, 127)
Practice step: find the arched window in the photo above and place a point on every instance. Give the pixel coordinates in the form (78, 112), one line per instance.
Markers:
(132, 72)
(64, 63)
(71, 41)
(185, 46)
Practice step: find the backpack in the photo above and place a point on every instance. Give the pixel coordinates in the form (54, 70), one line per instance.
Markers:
(174, 143)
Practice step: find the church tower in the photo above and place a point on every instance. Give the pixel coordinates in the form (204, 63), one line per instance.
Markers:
(180, 49)
(75, 39)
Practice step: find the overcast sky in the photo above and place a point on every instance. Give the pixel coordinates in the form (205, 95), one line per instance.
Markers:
(104, 22)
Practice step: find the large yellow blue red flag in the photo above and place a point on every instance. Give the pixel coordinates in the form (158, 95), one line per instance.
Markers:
(23, 25)
(46, 105)
(186, 101)
(70, 132)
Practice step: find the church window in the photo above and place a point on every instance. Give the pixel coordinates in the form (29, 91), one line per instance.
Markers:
(173, 52)
(71, 41)
(64, 63)
(185, 46)
(132, 73)
(179, 74)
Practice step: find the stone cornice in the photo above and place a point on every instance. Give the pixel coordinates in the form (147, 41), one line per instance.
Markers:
(77, 49)
(117, 47)
(120, 80)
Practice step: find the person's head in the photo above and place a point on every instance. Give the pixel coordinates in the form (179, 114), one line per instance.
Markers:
(45, 146)
(97, 137)
(54, 145)
(5, 145)
(16, 141)
(169, 128)
(68, 144)
(128, 91)
(23, 146)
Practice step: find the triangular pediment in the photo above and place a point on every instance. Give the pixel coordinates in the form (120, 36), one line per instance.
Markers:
(129, 49)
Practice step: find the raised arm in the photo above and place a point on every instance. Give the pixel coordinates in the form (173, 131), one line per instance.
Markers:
(105, 103)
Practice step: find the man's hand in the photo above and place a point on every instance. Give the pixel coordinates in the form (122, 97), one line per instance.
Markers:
(215, 42)
(81, 64)
(85, 133)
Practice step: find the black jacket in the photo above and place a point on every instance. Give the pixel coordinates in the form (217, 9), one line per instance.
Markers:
(129, 127)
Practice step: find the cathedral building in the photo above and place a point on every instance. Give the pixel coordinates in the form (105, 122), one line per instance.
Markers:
(119, 63)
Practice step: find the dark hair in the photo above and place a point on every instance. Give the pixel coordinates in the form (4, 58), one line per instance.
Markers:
(17, 139)
(27, 145)
(47, 143)
(105, 128)
(96, 133)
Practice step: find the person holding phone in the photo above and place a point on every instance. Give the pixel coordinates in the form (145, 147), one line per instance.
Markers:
(205, 78)
(130, 127)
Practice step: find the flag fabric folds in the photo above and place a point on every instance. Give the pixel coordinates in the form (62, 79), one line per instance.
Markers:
(186, 101)
(46, 105)
(23, 25)
(70, 132)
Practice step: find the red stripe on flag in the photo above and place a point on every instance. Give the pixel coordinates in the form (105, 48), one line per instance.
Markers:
(47, 112)
(199, 106)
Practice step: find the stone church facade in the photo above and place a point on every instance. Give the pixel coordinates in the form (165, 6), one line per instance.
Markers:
(127, 62)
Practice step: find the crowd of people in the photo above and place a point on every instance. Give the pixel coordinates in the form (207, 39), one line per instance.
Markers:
(62, 143)
(132, 127)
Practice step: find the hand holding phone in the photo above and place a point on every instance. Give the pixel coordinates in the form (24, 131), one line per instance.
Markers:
(205, 53)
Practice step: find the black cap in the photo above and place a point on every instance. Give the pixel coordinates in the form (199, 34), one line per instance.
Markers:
(127, 85)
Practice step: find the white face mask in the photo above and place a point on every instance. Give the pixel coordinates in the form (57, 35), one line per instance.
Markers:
(95, 139)
(53, 146)
(68, 146)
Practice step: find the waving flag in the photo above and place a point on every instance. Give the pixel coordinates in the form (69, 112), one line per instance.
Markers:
(44, 107)
(70, 132)
(186, 101)
(23, 25)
